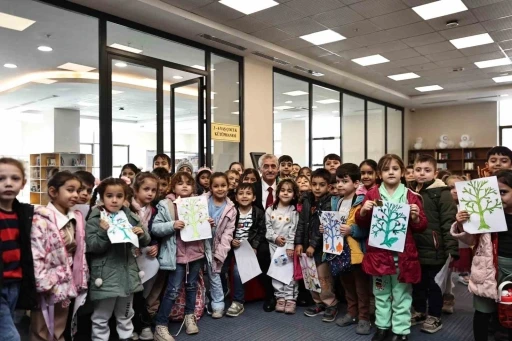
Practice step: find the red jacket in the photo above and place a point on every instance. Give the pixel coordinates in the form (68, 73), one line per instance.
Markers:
(380, 262)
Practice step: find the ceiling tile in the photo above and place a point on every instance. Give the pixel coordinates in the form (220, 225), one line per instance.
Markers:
(435, 57)
(494, 11)
(386, 47)
(464, 18)
(400, 54)
(425, 39)
(282, 1)
(337, 17)
(313, 52)
(301, 27)
(501, 35)
(414, 3)
(342, 45)
(247, 24)
(309, 7)
(271, 34)
(330, 59)
(454, 86)
(410, 30)
(356, 29)
(218, 12)
(435, 48)
(486, 56)
(498, 70)
(188, 4)
(422, 67)
(277, 15)
(464, 31)
(412, 61)
(388, 72)
(479, 3)
(374, 38)
(506, 45)
(373, 8)
(357, 53)
(294, 43)
(458, 62)
(350, 2)
(487, 48)
(395, 19)
(498, 24)
(481, 83)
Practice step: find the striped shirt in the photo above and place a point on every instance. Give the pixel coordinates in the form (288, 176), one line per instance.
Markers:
(244, 225)
(11, 254)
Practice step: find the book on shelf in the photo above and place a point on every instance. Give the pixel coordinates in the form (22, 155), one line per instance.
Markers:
(443, 156)
(442, 166)
(469, 155)
(469, 166)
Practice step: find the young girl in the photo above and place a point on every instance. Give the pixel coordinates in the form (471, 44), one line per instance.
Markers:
(184, 260)
(305, 171)
(251, 176)
(237, 167)
(492, 261)
(130, 171)
(203, 180)
(368, 176)
(17, 282)
(304, 186)
(222, 212)
(233, 180)
(393, 272)
(58, 248)
(281, 220)
(115, 276)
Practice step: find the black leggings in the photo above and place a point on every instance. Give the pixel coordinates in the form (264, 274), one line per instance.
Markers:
(481, 323)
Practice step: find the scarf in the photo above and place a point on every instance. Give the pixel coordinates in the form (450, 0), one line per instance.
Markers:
(399, 197)
(144, 215)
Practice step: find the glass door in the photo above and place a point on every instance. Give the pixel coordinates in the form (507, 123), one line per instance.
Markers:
(187, 123)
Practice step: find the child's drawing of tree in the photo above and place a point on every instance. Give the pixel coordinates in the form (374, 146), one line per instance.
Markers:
(332, 231)
(478, 200)
(389, 221)
(193, 215)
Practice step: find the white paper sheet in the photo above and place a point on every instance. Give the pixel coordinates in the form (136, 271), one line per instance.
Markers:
(481, 198)
(247, 263)
(120, 230)
(148, 264)
(332, 237)
(310, 274)
(193, 212)
(281, 272)
(79, 301)
(443, 277)
(389, 226)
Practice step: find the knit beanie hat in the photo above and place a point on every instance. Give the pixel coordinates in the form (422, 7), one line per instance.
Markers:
(184, 163)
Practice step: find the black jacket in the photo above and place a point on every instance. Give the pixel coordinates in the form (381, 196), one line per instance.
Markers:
(27, 299)
(308, 233)
(258, 228)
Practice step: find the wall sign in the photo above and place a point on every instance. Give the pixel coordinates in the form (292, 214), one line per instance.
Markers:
(225, 132)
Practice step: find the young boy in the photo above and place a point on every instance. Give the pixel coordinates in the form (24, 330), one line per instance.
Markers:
(250, 227)
(164, 181)
(498, 158)
(285, 167)
(308, 239)
(434, 244)
(331, 162)
(295, 169)
(162, 160)
(409, 175)
(87, 179)
(333, 186)
(356, 283)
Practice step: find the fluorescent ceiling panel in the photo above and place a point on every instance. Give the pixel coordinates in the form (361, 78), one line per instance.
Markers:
(125, 48)
(177, 77)
(502, 79)
(493, 62)
(295, 93)
(323, 37)
(328, 101)
(44, 81)
(13, 22)
(249, 6)
(439, 9)
(429, 88)
(404, 76)
(235, 113)
(283, 107)
(370, 60)
(476, 40)
(75, 67)
(116, 92)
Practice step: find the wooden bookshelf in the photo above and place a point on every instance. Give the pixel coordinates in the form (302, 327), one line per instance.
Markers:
(459, 161)
(43, 165)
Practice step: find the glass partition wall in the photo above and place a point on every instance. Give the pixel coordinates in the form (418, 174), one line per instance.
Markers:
(313, 119)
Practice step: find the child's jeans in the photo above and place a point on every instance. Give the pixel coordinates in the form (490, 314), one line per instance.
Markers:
(122, 307)
(216, 291)
(238, 287)
(8, 299)
(392, 304)
(176, 277)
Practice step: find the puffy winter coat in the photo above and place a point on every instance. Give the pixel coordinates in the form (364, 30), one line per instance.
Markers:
(307, 229)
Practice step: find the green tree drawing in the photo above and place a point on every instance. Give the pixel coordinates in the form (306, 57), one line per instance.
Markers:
(194, 215)
(478, 200)
(389, 221)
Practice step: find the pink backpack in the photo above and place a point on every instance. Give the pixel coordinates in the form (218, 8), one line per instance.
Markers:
(178, 309)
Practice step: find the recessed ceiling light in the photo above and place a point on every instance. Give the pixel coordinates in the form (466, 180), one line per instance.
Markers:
(125, 48)
(45, 48)
(295, 93)
(13, 22)
(317, 74)
(439, 9)
(493, 62)
(177, 77)
(236, 101)
(283, 107)
(200, 67)
(44, 81)
(404, 76)
(75, 67)
(116, 92)
(235, 113)
(429, 88)
(288, 102)
(249, 7)
(323, 37)
(87, 104)
(296, 116)
(370, 60)
(328, 101)
(121, 64)
(476, 40)
(10, 66)
(502, 79)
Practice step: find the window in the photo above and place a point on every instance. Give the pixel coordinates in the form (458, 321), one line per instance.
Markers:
(376, 134)
(326, 124)
(394, 132)
(505, 120)
(353, 129)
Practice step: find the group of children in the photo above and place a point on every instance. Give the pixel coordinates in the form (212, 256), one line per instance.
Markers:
(59, 263)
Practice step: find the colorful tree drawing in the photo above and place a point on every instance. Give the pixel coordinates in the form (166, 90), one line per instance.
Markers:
(310, 274)
(194, 215)
(388, 220)
(480, 201)
(332, 232)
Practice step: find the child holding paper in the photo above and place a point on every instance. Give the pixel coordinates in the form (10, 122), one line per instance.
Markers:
(281, 220)
(250, 227)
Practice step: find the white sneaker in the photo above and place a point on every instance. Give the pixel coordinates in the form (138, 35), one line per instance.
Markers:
(217, 314)
(135, 336)
(191, 324)
(146, 334)
(162, 334)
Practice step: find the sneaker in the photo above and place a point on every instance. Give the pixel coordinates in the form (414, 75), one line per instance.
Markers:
(431, 325)
(397, 337)
(217, 314)
(235, 309)
(346, 320)
(417, 318)
(281, 303)
(448, 304)
(330, 314)
(363, 327)
(191, 324)
(146, 334)
(315, 310)
(162, 334)
(381, 334)
(464, 280)
(135, 336)
(290, 307)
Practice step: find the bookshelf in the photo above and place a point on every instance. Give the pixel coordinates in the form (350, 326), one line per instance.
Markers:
(43, 165)
(460, 161)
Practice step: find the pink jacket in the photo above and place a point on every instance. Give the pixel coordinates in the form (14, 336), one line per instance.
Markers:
(52, 266)
(223, 234)
(482, 281)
